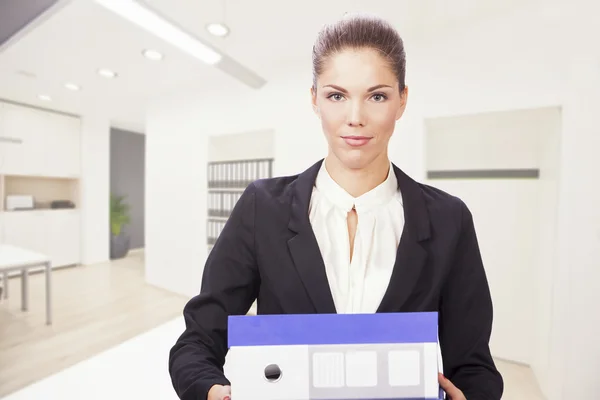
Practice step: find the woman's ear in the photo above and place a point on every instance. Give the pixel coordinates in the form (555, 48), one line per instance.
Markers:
(403, 100)
(313, 96)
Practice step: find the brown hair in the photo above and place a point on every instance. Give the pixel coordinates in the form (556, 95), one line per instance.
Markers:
(360, 31)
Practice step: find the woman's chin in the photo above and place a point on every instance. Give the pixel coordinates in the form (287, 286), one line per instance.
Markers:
(355, 159)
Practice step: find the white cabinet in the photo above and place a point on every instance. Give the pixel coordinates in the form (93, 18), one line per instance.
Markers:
(25, 125)
(63, 236)
(55, 233)
(62, 141)
(48, 151)
(50, 142)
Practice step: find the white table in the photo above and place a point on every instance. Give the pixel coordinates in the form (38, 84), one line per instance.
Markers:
(13, 258)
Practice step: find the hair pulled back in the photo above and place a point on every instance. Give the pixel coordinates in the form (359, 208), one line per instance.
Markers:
(360, 31)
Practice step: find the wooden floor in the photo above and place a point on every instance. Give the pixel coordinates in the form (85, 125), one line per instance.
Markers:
(95, 307)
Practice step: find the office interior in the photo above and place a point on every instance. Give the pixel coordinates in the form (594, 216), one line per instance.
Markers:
(108, 114)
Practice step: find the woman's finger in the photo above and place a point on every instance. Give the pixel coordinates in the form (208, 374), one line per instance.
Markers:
(452, 391)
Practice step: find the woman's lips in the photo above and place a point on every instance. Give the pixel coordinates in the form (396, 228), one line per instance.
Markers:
(356, 141)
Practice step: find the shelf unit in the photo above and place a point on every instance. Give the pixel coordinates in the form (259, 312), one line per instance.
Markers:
(227, 180)
(44, 189)
(40, 157)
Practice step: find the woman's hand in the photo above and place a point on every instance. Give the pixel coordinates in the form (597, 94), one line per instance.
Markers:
(219, 392)
(451, 391)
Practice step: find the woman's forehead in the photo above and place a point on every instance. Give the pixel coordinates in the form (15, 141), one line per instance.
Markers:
(357, 68)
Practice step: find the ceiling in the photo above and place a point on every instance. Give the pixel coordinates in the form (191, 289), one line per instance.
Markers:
(77, 37)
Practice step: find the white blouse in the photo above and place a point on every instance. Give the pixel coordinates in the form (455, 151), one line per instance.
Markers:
(357, 286)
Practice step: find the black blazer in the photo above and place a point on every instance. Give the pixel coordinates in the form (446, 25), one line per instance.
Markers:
(267, 251)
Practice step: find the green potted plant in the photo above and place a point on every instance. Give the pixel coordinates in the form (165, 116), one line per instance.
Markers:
(119, 218)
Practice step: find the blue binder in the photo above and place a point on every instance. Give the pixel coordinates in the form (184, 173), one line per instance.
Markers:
(381, 356)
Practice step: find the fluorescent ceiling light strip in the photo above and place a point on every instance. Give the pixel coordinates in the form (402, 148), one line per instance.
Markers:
(157, 25)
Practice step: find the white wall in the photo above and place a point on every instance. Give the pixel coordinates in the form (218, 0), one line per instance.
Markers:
(95, 189)
(518, 61)
(176, 181)
(242, 146)
(506, 211)
(576, 296)
(547, 214)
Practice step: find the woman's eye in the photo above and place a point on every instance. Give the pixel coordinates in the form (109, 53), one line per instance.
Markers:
(335, 96)
(379, 97)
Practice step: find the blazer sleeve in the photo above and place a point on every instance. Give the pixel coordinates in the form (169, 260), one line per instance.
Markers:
(466, 315)
(230, 283)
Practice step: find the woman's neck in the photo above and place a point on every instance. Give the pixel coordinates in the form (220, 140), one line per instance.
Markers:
(358, 181)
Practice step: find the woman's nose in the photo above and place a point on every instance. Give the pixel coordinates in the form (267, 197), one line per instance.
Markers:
(356, 115)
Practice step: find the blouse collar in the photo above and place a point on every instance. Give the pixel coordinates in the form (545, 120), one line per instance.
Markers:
(378, 196)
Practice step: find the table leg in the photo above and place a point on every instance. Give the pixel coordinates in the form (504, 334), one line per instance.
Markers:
(5, 284)
(48, 293)
(24, 289)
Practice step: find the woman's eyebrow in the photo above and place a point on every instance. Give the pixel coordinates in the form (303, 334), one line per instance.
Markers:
(341, 89)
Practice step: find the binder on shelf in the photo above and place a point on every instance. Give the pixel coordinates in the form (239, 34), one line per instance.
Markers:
(264, 169)
(219, 205)
(241, 175)
(230, 175)
(227, 207)
(215, 175)
(214, 204)
(238, 174)
(213, 230)
(209, 236)
(222, 207)
(240, 179)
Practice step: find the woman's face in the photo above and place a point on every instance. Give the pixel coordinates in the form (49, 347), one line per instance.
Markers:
(358, 101)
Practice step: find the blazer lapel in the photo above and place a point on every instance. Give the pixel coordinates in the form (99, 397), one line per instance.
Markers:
(304, 247)
(410, 256)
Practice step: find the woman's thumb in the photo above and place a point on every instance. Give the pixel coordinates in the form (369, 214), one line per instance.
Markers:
(219, 392)
(226, 393)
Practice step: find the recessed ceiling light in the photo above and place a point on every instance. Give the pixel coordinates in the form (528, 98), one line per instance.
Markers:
(217, 29)
(153, 55)
(107, 73)
(72, 86)
(154, 23)
(44, 97)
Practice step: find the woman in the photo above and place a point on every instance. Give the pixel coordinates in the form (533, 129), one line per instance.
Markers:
(351, 234)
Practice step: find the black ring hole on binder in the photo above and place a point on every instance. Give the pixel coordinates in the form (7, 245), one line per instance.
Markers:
(272, 373)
